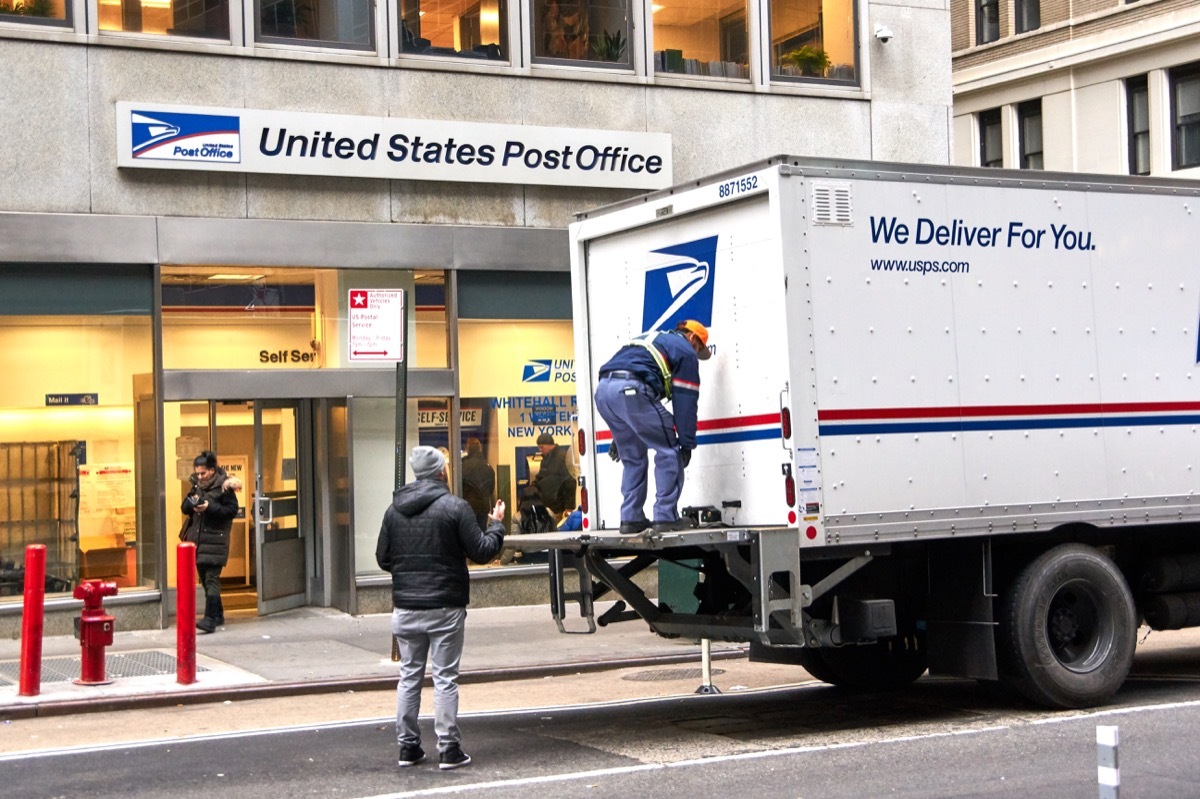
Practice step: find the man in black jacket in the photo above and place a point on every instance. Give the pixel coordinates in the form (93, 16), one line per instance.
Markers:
(553, 480)
(427, 533)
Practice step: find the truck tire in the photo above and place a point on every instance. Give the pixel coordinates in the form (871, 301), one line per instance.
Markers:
(812, 660)
(885, 665)
(1067, 629)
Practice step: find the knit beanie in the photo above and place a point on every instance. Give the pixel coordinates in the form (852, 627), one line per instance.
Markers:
(426, 462)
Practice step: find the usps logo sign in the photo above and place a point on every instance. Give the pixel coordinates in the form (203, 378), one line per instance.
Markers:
(679, 285)
(536, 371)
(174, 136)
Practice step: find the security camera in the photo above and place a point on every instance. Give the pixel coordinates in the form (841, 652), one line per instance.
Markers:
(883, 33)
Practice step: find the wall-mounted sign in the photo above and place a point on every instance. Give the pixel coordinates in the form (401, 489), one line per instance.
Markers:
(440, 417)
(155, 136)
(72, 399)
(375, 320)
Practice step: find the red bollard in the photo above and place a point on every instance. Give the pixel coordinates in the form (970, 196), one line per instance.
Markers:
(185, 613)
(95, 630)
(33, 621)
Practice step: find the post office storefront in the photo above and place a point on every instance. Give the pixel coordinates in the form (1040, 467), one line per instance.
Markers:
(177, 335)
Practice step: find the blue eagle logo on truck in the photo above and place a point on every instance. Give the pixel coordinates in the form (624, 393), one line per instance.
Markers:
(682, 286)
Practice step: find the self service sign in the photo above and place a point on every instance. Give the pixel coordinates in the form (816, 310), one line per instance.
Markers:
(154, 136)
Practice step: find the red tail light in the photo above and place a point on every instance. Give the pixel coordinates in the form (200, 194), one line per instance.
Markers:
(789, 490)
(582, 441)
(785, 422)
(583, 499)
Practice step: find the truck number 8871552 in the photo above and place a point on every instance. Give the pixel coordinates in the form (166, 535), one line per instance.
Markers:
(739, 186)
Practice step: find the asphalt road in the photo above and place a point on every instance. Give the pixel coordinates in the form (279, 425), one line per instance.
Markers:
(940, 738)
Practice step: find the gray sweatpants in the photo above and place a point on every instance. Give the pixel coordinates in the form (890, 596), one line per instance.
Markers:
(436, 634)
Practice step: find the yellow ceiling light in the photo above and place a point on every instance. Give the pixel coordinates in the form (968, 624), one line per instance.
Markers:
(227, 277)
(655, 8)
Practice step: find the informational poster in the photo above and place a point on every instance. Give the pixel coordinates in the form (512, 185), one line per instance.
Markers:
(107, 505)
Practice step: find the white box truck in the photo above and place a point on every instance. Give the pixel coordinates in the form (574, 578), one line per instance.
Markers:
(951, 421)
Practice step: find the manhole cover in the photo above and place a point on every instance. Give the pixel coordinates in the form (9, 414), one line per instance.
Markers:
(150, 663)
(663, 675)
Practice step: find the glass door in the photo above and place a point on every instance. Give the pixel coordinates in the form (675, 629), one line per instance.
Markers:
(281, 520)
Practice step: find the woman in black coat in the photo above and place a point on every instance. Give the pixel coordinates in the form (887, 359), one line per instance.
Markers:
(211, 506)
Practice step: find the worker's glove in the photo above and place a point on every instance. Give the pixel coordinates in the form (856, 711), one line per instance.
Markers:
(612, 452)
(685, 456)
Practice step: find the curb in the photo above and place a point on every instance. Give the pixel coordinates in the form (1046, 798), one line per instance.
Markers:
(68, 707)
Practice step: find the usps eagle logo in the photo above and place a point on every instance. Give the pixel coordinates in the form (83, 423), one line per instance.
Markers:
(536, 371)
(679, 284)
(172, 136)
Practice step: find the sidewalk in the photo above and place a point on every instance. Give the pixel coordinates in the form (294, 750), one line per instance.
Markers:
(313, 650)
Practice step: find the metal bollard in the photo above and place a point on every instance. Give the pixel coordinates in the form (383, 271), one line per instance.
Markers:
(185, 613)
(1108, 772)
(706, 687)
(33, 620)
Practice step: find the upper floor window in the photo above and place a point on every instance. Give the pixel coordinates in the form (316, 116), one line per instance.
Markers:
(1137, 108)
(334, 23)
(991, 141)
(701, 37)
(45, 12)
(1029, 122)
(813, 39)
(1028, 15)
(459, 28)
(987, 21)
(1185, 116)
(206, 19)
(592, 31)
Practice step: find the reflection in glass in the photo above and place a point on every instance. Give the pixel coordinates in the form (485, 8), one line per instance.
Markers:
(460, 28)
(345, 23)
(34, 11)
(582, 30)
(701, 37)
(206, 19)
(813, 39)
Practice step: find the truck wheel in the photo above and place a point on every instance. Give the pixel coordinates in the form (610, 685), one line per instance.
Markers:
(1067, 629)
(885, 665)
(811, 660)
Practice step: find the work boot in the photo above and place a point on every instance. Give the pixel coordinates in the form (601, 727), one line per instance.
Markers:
(672, 527)
(633, 528)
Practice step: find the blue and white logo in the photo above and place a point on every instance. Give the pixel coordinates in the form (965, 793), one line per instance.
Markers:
(168, 136)
(537, 371)
(682, 287)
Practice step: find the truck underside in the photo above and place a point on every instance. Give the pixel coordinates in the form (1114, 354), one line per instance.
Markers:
(1052, 616)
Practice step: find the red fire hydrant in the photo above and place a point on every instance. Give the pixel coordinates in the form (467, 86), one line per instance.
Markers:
(94, 629)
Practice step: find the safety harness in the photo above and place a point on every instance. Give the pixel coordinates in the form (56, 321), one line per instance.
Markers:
(646, 342)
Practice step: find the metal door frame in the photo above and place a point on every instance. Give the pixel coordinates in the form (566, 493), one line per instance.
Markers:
(262, 510)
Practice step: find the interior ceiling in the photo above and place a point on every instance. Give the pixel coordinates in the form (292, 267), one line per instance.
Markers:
(268, 276)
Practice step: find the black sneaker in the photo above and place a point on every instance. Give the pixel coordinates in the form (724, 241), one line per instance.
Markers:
(633, 528)
(671, 527)
(410, 756)
(454, 757)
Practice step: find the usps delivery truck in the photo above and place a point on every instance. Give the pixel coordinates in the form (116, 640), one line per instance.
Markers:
(951, 421)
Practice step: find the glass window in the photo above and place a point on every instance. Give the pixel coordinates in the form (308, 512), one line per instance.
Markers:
(1029, 15)
(813, 39)
(347, 24)
(288, 318)
(991, 143)
(1029, 120)
(1137, 102)
(987, 21)
(1185, 113)
(582, 30)
(701, 37)
(44, 12)
(69, 454)
(460, 28)
(207, 19)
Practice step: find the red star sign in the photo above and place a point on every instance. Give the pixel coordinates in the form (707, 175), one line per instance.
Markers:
(358, 299)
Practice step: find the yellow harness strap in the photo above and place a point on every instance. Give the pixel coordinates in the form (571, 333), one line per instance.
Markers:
(646, 342)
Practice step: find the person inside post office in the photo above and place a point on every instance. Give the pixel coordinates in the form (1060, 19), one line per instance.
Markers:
(210, 508)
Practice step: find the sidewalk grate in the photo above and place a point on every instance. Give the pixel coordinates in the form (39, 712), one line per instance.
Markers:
(663, 675)
(149, 663)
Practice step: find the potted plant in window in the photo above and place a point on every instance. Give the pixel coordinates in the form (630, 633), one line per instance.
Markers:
(609, 47)
(27, 8)
(810, 62)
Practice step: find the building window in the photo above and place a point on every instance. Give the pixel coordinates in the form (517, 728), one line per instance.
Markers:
(1028, 14)
(701, 37)
(459, 28)
(1029, 124)
(587, 31)
(348, 24)
(37, 12)
(196, 18)
(1185, 116)
(1137, 102)
(991, 149)
(987, 21)
(813, 39)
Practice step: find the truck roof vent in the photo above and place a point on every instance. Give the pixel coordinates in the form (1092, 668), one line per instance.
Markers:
(832, 203)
